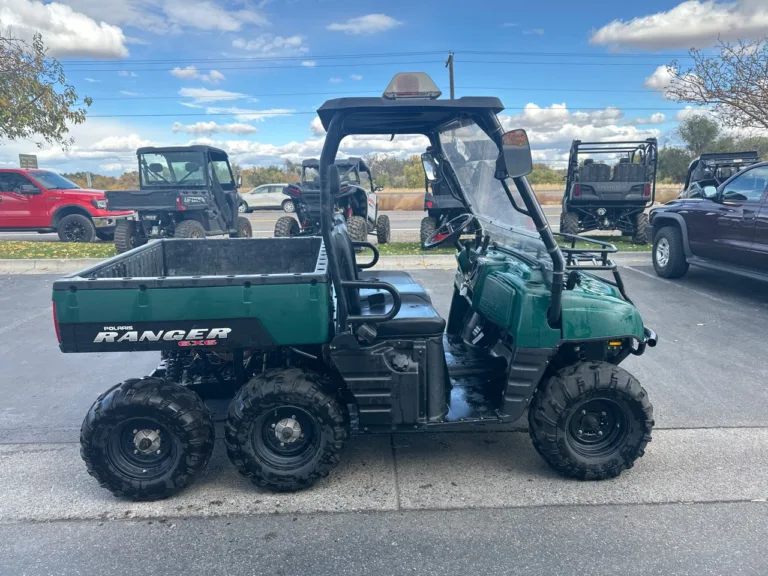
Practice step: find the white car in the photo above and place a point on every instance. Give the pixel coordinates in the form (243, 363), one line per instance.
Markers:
(266, 196)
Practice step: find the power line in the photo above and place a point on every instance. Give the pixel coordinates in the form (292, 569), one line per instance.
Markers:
(90, 70)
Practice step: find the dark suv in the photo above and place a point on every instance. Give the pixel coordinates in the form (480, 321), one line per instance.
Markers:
(726, 228)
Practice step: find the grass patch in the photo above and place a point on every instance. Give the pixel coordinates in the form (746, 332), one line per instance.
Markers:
(12, 249)
(409, 249)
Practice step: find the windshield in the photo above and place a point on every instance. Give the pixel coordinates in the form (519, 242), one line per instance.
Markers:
(472, 155)
(169, 168)
(311, 176)
(52, 181)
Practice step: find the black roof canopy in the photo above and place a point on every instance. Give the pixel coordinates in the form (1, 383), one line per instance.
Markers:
(340, 162)
(409, 116)
(197, 148)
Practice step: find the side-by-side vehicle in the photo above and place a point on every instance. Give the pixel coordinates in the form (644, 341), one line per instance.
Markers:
(318, 346)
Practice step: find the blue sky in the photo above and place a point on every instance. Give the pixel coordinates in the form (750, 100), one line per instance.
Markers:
(248, 75)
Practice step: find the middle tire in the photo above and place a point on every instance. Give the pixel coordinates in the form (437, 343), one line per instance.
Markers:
(569, 223)
(286, 226)
(358, 228)
(189, 229)
(284, 431)
(383, 229)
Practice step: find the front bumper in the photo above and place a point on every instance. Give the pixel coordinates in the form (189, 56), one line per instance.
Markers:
(104, 222)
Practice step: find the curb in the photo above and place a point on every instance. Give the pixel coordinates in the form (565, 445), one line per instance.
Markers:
(439, 261)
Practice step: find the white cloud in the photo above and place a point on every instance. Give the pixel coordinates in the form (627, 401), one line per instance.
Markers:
(208, 16)
(246, 114)
(692, 23)
(510, 25)
(192, 73)
(65, 31)
(127, 74)
(655, 118)
(368, 24)
(356, 77)
(92, 80)
(660, 79)
(110, 147)
(127, 93)
(334, 80)
(316, 127)
(214, 128)
(534, 31)
(202, 95)
(309, 63)
(270, 45)
(690, 111)
(112, 167)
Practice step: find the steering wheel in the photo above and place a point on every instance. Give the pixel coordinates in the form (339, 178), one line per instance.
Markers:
(449, 232)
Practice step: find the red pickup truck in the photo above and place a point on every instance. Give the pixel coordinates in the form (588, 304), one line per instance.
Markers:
(43, 201)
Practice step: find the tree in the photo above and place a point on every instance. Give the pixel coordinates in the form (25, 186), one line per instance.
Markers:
(35, 99)
(734, 82)
(543, 174)
(673, 164)
(698, 132)
(414, 173)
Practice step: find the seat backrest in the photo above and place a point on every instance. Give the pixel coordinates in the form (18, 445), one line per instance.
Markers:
(621, 171)
(345, 254)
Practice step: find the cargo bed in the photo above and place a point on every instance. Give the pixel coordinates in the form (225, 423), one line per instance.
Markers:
(173, 293)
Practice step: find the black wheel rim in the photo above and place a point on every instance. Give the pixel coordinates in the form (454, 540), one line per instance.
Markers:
(141, 448)
(280, 443)
(74, 232)
(597, 427)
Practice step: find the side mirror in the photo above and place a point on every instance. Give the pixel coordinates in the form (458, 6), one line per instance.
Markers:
(709, 192)
(430, 170)
(517, 153)
(30, 189)
(239, 180)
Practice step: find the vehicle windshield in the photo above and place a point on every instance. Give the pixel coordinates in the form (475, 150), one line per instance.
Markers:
(472, 155)
(311, 176)
(52, 181)
(172, 169)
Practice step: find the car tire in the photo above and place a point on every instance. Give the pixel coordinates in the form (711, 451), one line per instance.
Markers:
(591, 421)
(383, 229)
(76, 228)
(118, 456)
(427, 228)
(569, 223)
(284, 431)
(358, 229)
(286, 226)
(243, 208)
(668, 253)
(127, 236)
(288, 206)
(189, 229)
(640, 236)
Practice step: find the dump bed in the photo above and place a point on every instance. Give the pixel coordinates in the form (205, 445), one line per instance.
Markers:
(180, 293)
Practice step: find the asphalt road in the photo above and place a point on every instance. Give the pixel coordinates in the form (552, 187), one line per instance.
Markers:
(412, 503)
(405, 225)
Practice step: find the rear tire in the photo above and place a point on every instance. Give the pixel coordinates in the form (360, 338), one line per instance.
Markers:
(668, 253)
(313, 425)
(288, 206)
(591, 421)
(76, 228)
(127, 236)
(286, 226)
(427, 228)
(640, 236)
(569, 223)
(146, 439)
(383, 229)
(358, 228)
(189, 229)
(244, 229)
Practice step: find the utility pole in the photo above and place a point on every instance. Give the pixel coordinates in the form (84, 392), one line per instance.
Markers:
(449, 65)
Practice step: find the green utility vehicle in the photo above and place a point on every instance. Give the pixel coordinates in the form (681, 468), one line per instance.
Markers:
(316, 346)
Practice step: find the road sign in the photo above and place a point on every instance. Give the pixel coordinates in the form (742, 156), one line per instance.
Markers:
(27, 161)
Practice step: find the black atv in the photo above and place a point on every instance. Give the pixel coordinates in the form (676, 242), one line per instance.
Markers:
(184, 192)
(714, 169)
(356, 202)
(598, 197)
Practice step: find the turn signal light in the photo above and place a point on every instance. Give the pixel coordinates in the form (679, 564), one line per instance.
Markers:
(576, 189)
(647, 190)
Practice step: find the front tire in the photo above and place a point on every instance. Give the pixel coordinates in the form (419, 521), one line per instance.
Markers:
(358, 228)
(76, 228)
(286, 226)
(427, 229)
(127, 236)
(288, 206)
(591, 421)
(569, 223)
(189, 229)
(640, 236)
(383, 229)
(284, 431)
(244, 228)
(668, 253)
(146, 439)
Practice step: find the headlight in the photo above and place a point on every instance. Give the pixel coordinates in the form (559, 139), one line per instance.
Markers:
(99, 204)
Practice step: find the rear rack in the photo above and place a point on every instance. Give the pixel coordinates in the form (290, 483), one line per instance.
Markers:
(590, 260)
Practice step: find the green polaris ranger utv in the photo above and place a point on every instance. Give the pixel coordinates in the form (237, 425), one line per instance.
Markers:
(317, 346)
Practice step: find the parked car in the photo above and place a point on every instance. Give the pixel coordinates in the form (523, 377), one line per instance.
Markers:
(43, 201)
(266, 196)
(725, 229)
